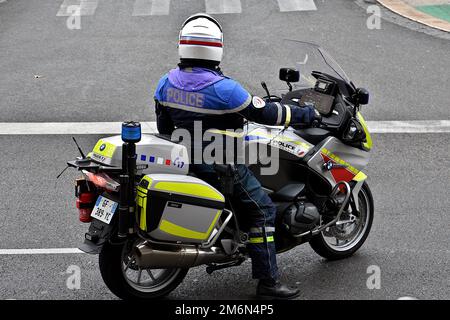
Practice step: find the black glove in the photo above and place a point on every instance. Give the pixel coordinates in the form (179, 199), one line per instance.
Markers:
(303, 116)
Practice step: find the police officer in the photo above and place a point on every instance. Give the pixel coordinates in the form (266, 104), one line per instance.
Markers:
(198, 91)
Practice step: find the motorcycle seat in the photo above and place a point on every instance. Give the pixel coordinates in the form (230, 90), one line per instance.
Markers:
(166, 137)
(313, 135)
(289, 192)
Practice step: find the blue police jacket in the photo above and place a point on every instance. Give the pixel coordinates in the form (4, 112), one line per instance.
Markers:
(186, 95)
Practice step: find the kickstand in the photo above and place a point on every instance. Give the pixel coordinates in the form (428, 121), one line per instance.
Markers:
(218, 266)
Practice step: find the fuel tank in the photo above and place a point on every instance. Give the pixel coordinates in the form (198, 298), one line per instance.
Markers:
(333, 161)
(260, 138)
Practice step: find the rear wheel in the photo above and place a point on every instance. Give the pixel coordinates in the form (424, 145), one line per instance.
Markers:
(344, 239)
(128, 281)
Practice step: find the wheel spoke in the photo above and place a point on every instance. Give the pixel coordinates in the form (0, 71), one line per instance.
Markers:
(127, 266)
(136, 276)
(139, 276)
(149, 271)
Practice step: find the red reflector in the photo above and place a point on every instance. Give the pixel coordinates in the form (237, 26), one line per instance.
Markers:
(85, 215)
(87, 197)
(85, 204)
(167, 162)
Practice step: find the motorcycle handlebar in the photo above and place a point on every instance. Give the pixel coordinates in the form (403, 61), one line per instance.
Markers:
(318, 119)
(316, 122)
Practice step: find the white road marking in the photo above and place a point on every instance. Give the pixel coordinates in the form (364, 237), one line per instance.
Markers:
(63, 8)
(415, 126)
(223, 6)
(296, 5)
(39, 251)
(160, 7)
(87, 7)
(82, 128)
(142, 8)
(34, 128)
(151, 7)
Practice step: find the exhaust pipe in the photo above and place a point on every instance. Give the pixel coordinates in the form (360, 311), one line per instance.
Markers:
(178, 257)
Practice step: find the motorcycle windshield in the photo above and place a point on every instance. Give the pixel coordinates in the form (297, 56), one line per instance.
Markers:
(307, 57)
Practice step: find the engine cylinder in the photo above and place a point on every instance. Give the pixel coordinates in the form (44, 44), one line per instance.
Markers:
(301, 217)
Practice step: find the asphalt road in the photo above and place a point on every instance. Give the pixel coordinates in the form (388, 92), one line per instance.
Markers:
(108, 70)
(409, 241)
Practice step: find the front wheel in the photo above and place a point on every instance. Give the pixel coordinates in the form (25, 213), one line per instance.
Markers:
(351, 231)
(128, 281)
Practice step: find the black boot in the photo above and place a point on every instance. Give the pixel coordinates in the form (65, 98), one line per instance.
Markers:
(274, 289)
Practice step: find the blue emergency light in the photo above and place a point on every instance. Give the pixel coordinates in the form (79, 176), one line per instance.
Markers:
(131, 132)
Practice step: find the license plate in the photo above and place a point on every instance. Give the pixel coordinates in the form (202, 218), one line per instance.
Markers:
(104, 209)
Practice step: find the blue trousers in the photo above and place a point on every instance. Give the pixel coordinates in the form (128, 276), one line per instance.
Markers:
(256, 213)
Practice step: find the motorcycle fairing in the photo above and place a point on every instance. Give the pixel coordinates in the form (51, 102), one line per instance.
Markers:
(367, 145)
(280, 138)
(338, 162)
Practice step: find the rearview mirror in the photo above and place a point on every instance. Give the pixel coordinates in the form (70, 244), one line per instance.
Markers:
(363, 96)
(289, 75)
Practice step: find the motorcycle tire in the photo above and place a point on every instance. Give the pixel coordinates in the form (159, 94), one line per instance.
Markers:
(333, 252)
(112, 272)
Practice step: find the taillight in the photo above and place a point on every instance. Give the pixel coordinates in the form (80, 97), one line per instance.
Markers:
(88, 189)
(102, 180)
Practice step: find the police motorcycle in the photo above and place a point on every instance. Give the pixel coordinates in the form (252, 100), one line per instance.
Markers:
(151, 219)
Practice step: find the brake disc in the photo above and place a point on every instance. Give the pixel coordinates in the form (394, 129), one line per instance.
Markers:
(131, 263)
(346, 231)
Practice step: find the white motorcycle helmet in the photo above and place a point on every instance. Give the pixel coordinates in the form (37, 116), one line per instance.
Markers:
(201, 38)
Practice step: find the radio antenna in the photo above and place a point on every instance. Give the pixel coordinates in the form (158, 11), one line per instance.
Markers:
(79, 149)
